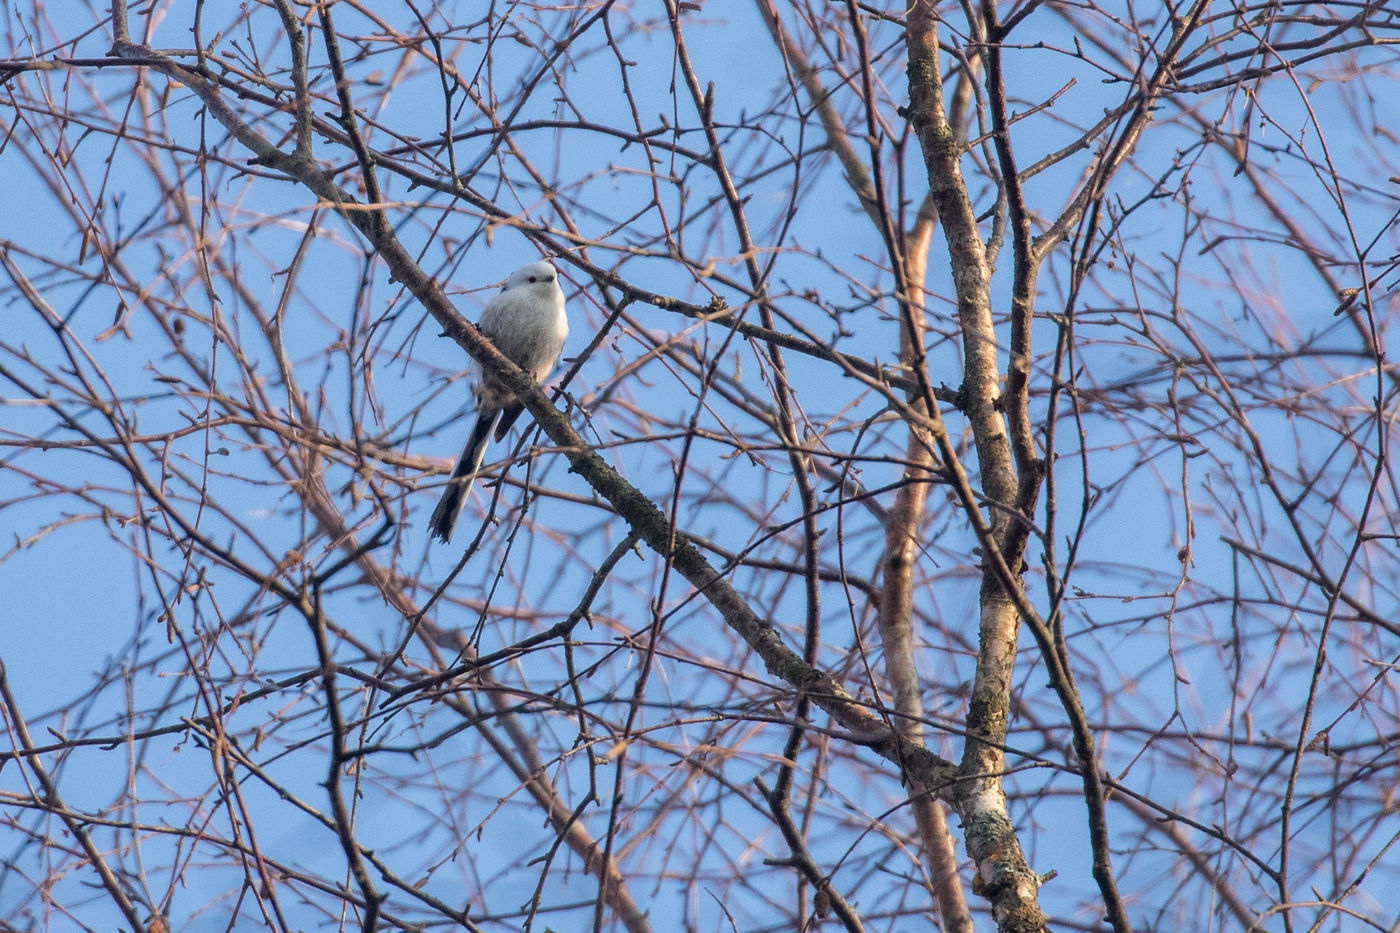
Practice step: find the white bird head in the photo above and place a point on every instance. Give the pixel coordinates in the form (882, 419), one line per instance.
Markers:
(539, 275)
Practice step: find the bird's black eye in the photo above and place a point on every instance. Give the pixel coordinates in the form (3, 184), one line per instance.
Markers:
(532, 278)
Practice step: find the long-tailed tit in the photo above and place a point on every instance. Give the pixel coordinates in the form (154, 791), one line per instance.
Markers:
(526, 322)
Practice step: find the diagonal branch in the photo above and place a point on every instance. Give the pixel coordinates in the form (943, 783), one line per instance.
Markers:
(640, 512)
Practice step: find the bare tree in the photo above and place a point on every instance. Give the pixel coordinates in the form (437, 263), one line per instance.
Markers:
(967, 499)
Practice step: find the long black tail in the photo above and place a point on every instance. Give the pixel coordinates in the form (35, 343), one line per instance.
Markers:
(455, 495)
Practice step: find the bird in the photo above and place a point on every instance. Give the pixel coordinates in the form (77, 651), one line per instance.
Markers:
(527, 323)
